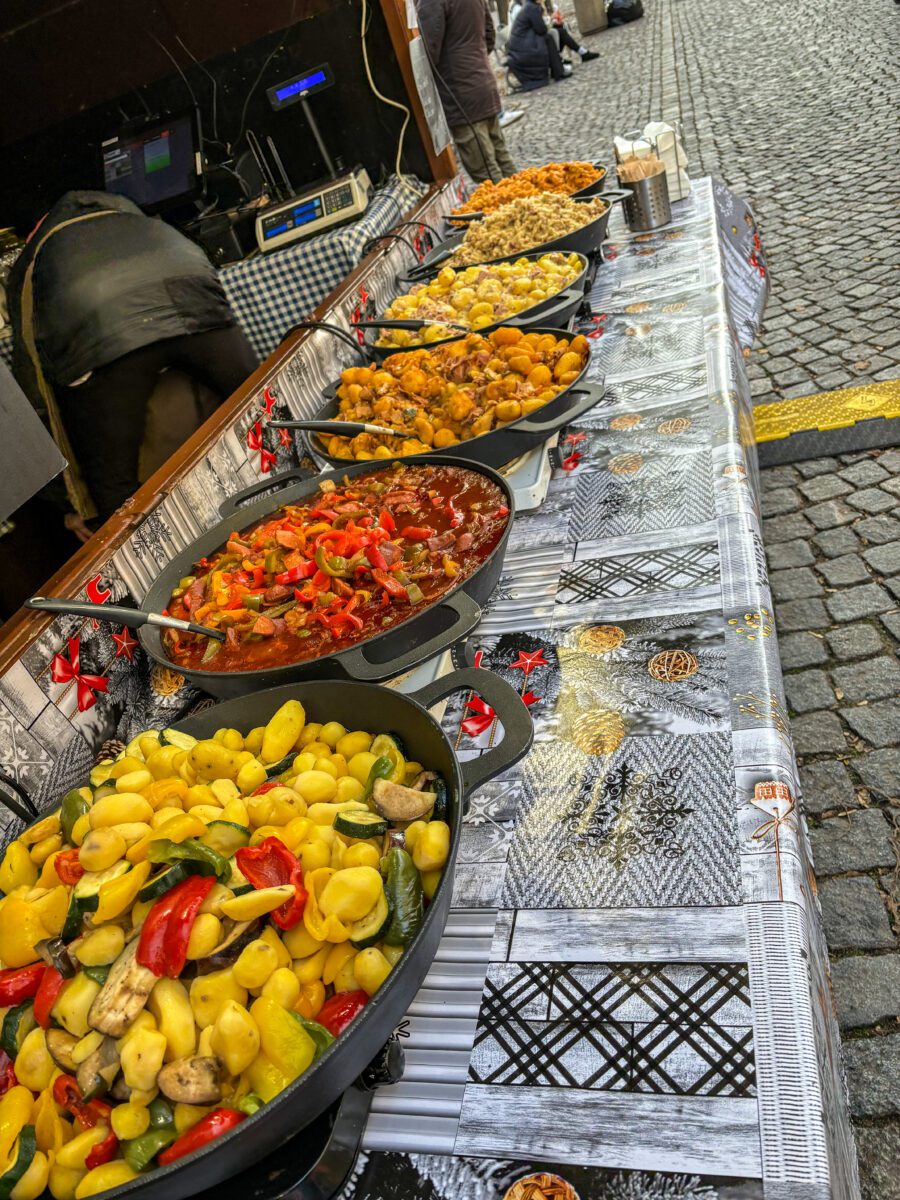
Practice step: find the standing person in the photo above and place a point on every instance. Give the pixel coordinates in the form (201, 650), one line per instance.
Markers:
(101, 301)
(459, 35)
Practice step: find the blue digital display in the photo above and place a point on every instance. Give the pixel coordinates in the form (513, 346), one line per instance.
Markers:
(308, 209)
(278, 229)
(299, 85)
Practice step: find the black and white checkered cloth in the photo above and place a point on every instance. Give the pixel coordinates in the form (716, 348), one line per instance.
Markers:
(270, 293)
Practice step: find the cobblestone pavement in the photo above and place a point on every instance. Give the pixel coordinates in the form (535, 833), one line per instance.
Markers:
(786, 105)
(779, 103)
(832, 535)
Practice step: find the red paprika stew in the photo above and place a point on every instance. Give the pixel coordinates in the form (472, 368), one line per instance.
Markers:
(350, 562)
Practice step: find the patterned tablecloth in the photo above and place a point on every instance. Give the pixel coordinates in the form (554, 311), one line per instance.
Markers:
(270, 292)
(632, 984)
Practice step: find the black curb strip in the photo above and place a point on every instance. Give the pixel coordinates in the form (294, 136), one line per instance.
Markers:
(871, 434)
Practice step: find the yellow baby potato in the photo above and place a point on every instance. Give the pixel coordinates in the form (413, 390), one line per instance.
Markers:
(371, 969)
(316, 787)
(256, 962)
(101, 947)
(353, 743)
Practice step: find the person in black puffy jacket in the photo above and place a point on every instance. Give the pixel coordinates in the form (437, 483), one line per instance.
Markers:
(531, 52)
(115, 298)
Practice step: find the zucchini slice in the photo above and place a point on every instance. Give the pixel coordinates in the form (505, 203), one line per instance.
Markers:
(101, 772)
(17, 1024)
(27, 1148)
(373, 926)
(360, 823)
(225, 837)
(239, 883)
(160, 884)
(387, 745)
(87, 889)
(174, 737)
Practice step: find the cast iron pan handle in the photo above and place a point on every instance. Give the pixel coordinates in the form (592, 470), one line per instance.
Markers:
(277, 482)
(335, 330)
(518, 730)
(584, 398)
(23, 807)
(566, 299)
(612, 196)
(329, 1172)
(467, 615)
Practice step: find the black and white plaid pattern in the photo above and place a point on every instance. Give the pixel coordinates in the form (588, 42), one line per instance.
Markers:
(271, 292)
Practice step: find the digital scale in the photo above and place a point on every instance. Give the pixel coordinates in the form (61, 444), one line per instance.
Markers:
(339, 198)
(317, 208)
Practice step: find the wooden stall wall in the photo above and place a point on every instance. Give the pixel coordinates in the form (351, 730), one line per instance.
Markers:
(73, 72)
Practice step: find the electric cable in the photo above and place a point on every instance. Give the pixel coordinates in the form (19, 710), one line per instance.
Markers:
(255, 84)
(174, 62)
(215, 91)
(384, 99)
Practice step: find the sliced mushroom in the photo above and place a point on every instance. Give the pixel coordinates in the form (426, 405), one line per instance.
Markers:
(120, 1090)
(192, 1080)
(59, 1046)
(96, 1074)
(399, 803)
(123, 996)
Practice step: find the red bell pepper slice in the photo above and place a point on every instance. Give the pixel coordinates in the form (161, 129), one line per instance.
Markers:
(267, 787)
(49, 988)
(386, 521)
(7, 1073)
(67, 867)
(376, 558)
(210, 1127)
(270, 864)
(18, 984)
(167, 928)
(295, 574)
(389, 583)
(87, 1113)
(416, 533)
(337, 1013)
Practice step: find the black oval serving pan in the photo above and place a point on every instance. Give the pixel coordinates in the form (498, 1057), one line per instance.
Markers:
(499, 446)
(591, 190)
(555, 311)
(427, 632)
(355, 705)
(587, 241)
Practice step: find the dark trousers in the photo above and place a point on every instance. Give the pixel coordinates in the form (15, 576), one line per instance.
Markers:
(105, 417)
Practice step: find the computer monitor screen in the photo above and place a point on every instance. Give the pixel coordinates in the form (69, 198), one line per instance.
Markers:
(156, 165)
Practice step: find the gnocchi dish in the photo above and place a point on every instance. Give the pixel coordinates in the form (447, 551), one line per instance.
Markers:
(454, 392)
(186, 935)
(478, 296)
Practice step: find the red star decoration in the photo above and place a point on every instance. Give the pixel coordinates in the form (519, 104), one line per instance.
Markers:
(285, 438)
(529, 698)
(571, 461)
(267, 459)
(68, 670)
(125, 644)
(529, 661)
(572, 439)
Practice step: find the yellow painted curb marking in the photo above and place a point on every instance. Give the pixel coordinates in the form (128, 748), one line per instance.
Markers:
(827, 410)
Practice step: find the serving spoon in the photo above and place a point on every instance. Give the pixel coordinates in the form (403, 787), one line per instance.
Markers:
(115, 614)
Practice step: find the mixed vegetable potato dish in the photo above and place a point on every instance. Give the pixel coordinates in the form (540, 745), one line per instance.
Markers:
(184, 937)
(523, 224)
(454, 392)
(478, 296)
(350, 562)
(564, 178)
